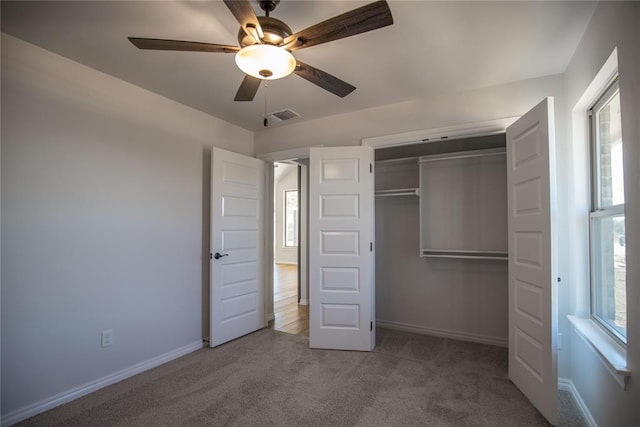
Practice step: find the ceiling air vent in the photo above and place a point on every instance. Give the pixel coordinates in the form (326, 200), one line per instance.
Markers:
(282, 115)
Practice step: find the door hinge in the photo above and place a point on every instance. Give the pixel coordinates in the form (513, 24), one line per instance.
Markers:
(371, 247)
(371, 326)
(370, 167)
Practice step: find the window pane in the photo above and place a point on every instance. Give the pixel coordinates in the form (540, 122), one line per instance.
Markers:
(609, 273)
(609, 149)
(291, 218)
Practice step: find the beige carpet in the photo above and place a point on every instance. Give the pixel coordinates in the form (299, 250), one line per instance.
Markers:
(273, 378)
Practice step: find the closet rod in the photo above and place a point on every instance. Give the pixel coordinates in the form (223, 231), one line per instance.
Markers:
(464, 254)
(464, 155)
(466, 257)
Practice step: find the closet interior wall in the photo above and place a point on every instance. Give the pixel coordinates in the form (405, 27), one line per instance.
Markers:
(458, 298)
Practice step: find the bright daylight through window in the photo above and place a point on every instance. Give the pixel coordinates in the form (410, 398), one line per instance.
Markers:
(291, 218)
(607, 235)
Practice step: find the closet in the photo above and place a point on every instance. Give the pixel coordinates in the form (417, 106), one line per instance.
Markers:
(464, 242)
(441, 238)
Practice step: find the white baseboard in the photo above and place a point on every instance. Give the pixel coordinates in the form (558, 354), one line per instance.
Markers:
(456, 335)
(303, 302)
(67, 396)
(567, 385)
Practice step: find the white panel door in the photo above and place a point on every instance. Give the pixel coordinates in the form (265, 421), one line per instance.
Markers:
(341, 282)
(532, 272)
(237, 246)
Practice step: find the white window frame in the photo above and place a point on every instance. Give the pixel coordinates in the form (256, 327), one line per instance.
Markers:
(597, 212)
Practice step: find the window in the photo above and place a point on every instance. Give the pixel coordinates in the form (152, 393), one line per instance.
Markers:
(291, 218)
(607, 235)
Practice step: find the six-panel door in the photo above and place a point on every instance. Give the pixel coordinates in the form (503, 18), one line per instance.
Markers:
(341, 285)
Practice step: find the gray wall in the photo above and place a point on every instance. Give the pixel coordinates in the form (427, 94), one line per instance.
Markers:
(613, 25)
(105, 213)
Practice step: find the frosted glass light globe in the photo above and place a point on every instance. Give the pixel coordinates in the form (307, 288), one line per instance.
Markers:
(265, 61)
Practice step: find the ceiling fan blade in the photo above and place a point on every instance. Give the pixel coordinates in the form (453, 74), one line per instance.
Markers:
(161, 44)
(325, 80)
(366, 18)
(248, 88)
(246, 16)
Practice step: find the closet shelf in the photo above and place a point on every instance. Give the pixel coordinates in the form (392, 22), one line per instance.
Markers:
(399, 161)
(463, 155)
(398, 192)
(464, 254)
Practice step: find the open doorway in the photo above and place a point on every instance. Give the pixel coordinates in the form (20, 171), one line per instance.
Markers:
(290, 303)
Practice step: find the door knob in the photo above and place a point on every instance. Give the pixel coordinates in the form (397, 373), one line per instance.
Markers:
(218, 255)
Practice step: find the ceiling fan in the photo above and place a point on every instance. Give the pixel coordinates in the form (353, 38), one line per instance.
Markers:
(266, 44)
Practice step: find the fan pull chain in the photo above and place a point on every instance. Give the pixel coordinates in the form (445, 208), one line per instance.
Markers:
(266, 120)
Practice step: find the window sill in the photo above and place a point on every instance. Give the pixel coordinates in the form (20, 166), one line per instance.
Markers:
(612, 354)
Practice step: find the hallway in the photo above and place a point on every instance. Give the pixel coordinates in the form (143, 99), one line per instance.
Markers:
(290, 317)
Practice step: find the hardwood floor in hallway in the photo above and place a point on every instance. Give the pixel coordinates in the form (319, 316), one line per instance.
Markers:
(290, 317)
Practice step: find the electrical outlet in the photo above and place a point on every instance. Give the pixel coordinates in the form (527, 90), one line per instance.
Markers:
(107, 338)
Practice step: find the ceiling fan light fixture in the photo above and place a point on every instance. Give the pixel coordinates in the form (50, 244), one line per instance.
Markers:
(265, 61)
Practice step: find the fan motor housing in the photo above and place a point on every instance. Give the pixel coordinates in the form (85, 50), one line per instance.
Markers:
(274, 32)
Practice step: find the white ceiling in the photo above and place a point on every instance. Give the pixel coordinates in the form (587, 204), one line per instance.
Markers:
(432, 48)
